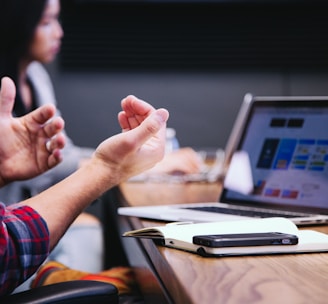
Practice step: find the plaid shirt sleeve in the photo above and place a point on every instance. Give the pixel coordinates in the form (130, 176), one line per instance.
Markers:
(24, 245)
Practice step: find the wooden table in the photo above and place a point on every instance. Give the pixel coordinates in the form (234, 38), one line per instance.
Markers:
(174, 276)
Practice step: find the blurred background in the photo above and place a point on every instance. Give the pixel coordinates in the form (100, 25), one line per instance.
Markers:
(196, 58)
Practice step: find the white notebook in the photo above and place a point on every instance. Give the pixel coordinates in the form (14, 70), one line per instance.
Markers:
(180, 236)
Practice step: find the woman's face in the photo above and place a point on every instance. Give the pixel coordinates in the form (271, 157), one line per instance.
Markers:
(48, 34)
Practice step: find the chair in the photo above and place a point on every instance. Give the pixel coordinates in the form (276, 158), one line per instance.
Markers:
(71, 292)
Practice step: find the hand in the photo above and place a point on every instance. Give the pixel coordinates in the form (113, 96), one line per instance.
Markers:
(142, 143)
(138, 148)
(31, 144)
(181, 161)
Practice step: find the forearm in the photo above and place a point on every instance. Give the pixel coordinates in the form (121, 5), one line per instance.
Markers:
(62, 203)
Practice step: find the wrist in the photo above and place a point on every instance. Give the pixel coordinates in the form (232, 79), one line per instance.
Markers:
(100, 176)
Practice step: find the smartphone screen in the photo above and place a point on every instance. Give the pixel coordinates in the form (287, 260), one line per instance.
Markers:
(245, 239)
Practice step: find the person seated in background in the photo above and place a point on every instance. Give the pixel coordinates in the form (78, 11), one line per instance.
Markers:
(32, 228)
(31, 37)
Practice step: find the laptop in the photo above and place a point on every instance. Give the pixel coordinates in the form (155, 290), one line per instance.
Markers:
(276, 162)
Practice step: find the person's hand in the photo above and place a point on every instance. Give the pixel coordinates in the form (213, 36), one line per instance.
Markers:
(31, 144)
(181, 161)
(140, 146)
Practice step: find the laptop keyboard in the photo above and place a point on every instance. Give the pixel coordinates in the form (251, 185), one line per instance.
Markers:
(251, 213)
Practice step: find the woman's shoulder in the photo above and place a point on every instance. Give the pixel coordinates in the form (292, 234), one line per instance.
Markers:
(36, 70)
(40, 79)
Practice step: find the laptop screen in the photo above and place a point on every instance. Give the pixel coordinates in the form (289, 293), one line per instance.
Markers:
(286, 141)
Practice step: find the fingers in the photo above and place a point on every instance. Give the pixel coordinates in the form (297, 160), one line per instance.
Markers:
(54, 126)
(55, 143)
(7, 96)
(133, 105)
(54, 146)
(123, 121)
(7, 100)
(134, 112)
(142, 120)
(52, 130)
(154, 125)
(54, 158)
(42, 114)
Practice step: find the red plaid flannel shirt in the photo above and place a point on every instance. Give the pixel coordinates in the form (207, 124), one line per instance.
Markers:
(24, 245)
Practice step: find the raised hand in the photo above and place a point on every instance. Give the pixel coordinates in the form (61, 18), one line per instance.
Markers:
(31, 144)
(142, 143)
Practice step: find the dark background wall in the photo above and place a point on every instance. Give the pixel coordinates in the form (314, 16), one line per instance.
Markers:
(196, 58)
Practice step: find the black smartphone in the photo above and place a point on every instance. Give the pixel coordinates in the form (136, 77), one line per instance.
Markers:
(245, 239)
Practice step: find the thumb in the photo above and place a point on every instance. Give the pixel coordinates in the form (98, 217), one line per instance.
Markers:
(7, 96)
(154, 125)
